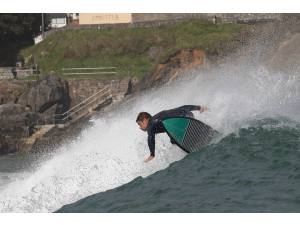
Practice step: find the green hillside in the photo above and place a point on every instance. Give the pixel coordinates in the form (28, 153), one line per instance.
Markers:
(128, 49)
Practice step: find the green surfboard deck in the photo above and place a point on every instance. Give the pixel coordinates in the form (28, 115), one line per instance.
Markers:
(176, 127)
(188, 133)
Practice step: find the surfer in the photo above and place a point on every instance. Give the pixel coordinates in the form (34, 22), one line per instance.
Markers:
(153, 124)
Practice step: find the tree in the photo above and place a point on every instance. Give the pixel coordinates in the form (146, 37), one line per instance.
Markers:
(16, 32)
(20, 26)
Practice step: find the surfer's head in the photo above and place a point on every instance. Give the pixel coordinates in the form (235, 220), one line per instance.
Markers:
(142, 120)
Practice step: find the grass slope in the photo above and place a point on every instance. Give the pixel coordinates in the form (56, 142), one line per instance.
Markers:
(128, 49)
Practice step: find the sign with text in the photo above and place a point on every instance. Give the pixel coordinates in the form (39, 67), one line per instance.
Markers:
(104, 18)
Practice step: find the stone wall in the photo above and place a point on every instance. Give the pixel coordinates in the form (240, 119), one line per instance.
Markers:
(78, 90)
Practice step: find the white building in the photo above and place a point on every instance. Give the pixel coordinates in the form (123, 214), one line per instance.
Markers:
(58, 20)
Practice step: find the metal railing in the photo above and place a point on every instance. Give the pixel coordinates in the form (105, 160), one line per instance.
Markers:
(98, 96)
(84, 71)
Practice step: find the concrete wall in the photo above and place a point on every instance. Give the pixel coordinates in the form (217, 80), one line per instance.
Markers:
(143, 17)
(245, 17)
(6, 73)
(115, 18)
(220, 17)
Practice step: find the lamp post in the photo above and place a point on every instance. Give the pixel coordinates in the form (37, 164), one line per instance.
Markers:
(42, 26)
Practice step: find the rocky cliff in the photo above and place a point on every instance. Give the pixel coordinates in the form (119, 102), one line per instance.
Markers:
(174, 67)
(27, 104)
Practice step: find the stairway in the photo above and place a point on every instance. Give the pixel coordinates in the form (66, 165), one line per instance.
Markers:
(27, 143)
(83, 108)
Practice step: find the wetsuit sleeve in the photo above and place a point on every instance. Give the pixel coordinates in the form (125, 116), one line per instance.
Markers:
(190, 107)
(151, 143)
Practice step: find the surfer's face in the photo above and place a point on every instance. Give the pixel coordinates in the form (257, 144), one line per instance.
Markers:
(143, 124)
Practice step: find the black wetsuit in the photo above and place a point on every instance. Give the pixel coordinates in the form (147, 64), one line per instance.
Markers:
(155, 125)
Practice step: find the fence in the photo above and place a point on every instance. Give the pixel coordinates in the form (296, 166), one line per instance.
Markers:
(89, 71)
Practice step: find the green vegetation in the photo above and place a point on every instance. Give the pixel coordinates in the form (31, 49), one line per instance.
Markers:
(17, 30)
(128, 49)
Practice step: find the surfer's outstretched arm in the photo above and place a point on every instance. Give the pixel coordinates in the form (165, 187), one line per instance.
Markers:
(190, 107)
(194, 108)
(151, 144)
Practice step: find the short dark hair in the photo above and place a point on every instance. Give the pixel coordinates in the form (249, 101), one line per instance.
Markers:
(142, 116)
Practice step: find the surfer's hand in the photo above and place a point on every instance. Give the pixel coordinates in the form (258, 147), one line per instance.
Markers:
(149, 158)
(203, 109)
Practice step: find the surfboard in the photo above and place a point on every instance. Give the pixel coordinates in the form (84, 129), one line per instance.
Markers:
(188, 133)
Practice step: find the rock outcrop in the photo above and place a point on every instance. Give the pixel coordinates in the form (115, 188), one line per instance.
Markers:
(26, 104)
(171, 69)
(48, 96)
(16, 122)
(39, 102)
(11, 90)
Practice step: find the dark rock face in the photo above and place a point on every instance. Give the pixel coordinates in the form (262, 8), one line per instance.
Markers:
(37, 103)
(11, 116)
(11, 108)
(11, 90)
(47, 93)
(16, 122)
